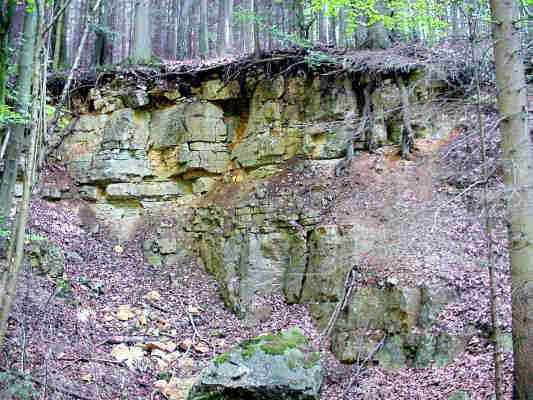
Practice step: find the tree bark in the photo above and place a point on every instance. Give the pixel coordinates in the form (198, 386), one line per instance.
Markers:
(518, 179)
(255, 29)
(10, 277)
(378, 37)
(58, 42)
(185, 13)
(204, 31)
(15, 144)
(5, 25)
(142, 40)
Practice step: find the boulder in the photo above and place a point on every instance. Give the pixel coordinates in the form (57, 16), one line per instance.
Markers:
(279, 366)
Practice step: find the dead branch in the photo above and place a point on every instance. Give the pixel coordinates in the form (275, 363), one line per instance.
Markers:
(408, 136)
(129, 340)
(349, 284)
(360, 366)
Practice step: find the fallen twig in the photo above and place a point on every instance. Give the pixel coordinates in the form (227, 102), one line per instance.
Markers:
(359, 366)
(129, 339)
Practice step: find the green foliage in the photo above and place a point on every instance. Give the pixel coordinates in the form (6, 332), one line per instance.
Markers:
(4, 233)
(405, 16)
(16, 386)
(8, 116)
(221, 359)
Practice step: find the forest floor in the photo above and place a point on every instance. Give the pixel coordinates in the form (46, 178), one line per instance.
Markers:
(116, 328)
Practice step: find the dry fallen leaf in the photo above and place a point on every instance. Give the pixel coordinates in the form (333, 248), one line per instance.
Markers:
(186, 344)
(194, 310)
(129, 355)
(176, 389)
(186, 364)
(107, 318)
(162, 365)
(125, 313)
(153, 295)
(168, 347)
(143, 319)
(202, 348)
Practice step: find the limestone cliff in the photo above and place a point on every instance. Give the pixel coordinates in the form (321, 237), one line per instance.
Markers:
(240, 173)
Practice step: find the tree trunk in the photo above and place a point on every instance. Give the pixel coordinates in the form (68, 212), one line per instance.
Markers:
(5, 25)
(342, 28)
(16, 142)
(323, 25)
(378, 37)
(220, 27)
(8, 288)
(59, 40)
(255, 29)
(228, 33)
(204, 31)
(332, 30)
(518, 179)
(185, 13)
(142, 40)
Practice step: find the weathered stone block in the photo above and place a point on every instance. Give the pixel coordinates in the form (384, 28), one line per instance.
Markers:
(204, 123)
(120, 191)
(167, 127)
(217, 90)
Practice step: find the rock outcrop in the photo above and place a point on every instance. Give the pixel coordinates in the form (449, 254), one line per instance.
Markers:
(210, 171)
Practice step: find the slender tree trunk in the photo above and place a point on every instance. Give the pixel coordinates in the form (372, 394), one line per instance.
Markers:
(142, 40)
(342, 28)
(378, 37)
(203, 44)
(184, 22)
(14, 149)
(323, 25)
(59, 39)
(5, 25)
(10, 278)
(228, 34)
(220, 27)
(255, 29)
(332, 30)
(518, 178)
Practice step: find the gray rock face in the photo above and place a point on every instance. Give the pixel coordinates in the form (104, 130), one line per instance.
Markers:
(280, 366)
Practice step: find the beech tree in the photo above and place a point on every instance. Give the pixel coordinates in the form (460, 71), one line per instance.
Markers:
(518, 178)
(142, 41)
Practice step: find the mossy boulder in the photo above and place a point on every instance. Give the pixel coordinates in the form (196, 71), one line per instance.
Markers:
(276, 366)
